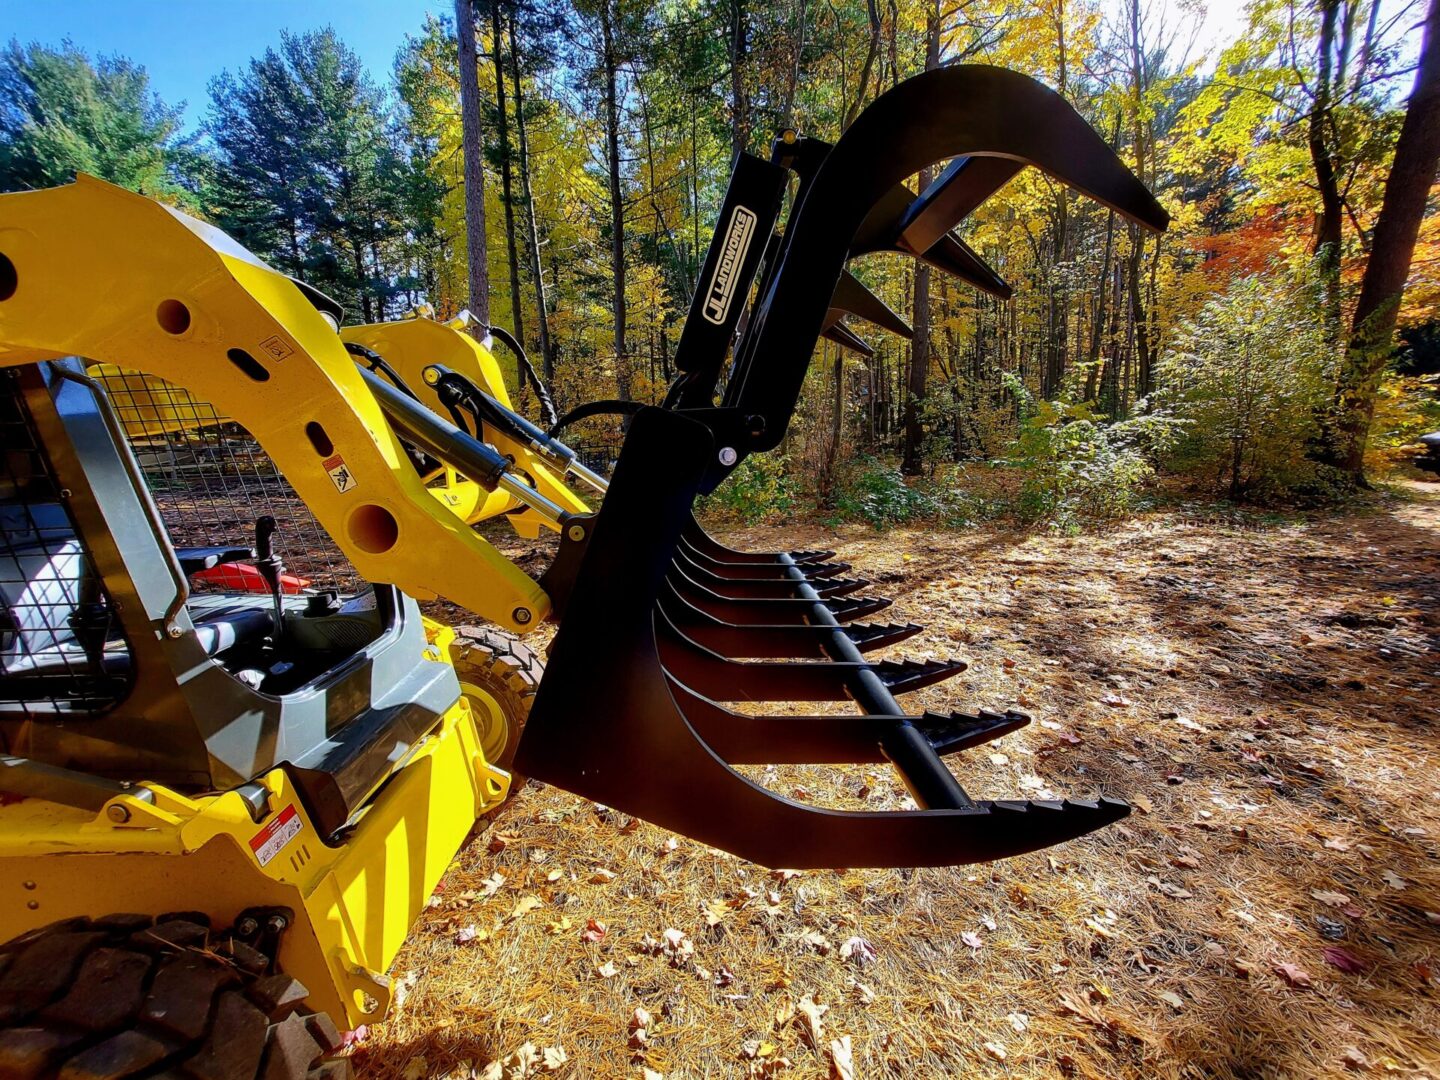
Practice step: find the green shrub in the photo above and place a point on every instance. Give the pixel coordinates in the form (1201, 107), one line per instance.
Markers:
(758, 488)
(1077, 468)
(876, 492)
(1250, 373)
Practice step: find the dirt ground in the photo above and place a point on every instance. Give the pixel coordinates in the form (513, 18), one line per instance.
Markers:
(1263, 690)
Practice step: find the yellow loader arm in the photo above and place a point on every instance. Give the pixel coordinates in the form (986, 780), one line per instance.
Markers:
(114, 277)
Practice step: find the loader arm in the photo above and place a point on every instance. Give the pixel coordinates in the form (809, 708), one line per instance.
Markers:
(114, 277)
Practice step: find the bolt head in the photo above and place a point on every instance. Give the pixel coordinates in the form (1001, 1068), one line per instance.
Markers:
(522, 615)
(576, 533)
(728, 456)
(173, 631)
(276, 923)
(246, 927)
(118, 813)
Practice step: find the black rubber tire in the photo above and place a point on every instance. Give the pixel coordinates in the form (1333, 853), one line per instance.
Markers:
(505, 668)
(129, 996)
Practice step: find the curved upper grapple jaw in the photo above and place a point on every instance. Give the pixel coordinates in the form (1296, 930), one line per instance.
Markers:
(663, 624)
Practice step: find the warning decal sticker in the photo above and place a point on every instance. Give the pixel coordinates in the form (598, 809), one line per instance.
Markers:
(276, 347)
(340, 474)
(266, 844)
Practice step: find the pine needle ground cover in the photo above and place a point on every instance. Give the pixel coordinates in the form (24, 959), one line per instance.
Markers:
(1263, 690)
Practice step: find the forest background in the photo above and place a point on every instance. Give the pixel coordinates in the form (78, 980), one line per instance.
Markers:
(1279, 344)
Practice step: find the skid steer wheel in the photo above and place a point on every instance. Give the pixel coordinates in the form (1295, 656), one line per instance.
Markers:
(132, 996)
(499, 676)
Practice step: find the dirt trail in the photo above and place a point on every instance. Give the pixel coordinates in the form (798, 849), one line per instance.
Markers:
(1263, 690)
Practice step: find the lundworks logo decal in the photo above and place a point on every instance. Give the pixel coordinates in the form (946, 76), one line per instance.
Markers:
(727, 271)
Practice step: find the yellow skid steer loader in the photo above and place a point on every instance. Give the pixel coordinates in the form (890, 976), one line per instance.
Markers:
(235, 758)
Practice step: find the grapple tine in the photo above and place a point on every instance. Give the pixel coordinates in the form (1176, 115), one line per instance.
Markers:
(845, 739)
(700, 541)
(954, 256)
(774, 642)
(842, 335)
(950, 198)
(779, 571)
(728, 680)
(777, 611)
(853, 298)
(716, 575)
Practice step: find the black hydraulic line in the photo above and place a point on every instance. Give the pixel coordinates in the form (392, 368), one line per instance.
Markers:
(547, 405)
(376, 362)
(603, 407)
(931, 784)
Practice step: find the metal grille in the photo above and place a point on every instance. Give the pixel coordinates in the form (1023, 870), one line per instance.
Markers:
(211, 480)
(62, 651)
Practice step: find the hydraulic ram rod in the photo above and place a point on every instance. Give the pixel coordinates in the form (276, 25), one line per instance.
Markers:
(551, 450)
(458, 449)
(931, 784)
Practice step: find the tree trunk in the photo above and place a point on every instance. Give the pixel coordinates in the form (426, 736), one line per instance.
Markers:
(617, 206)
(1328, 229)
(532, 238)
(912, 459)
(470, 143)
(740, 115)
(1406, 190)
(503, 129)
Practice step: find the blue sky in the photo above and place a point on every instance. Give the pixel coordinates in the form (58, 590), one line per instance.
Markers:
(184, 43)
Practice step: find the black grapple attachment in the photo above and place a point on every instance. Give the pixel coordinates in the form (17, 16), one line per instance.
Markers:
(665, 631)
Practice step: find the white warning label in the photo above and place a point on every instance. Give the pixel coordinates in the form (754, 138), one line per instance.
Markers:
(266, 844)
(340, 474)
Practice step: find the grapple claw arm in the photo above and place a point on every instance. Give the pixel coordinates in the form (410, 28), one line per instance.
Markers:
(965, 111)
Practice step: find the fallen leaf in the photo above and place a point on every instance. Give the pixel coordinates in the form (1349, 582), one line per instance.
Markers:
(525, 904)
(1354, 1059)
(810, 1011)
(842, 1059)
(972, 939)
(1295, 975)
(859, 950)
(1394, 880)
(1343, 959)
(468, 935)
(523, 1060)
(1174, 1000)
(417, 1068)
(601, 876)
(640, 1018)
(995, 1050)
(554, 876)
(1175, 892)
(595, 930)
(1334, 899)
(559, 927)
(553, 1057)
(499, 842)
(1019, 1021)
(817, 941)
(491, 885)
(648, 1073)
(716, 912)
(1141, 803)
(607, 970)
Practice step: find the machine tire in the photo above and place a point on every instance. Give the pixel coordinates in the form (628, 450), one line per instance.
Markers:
(130, 995)
(508, 670)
